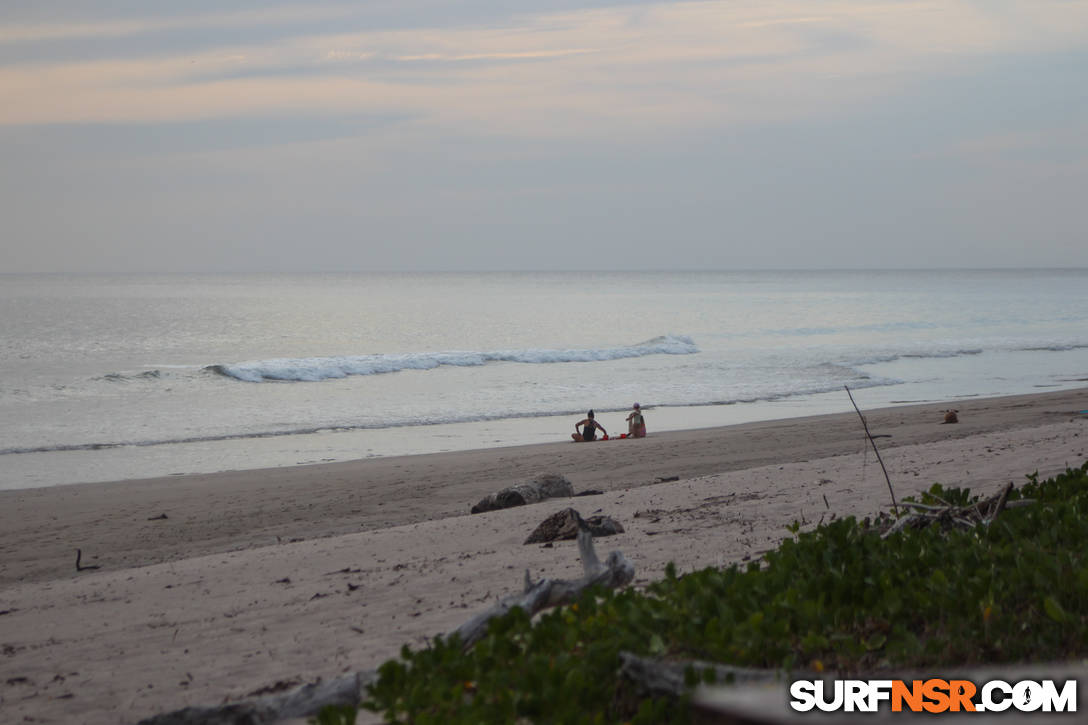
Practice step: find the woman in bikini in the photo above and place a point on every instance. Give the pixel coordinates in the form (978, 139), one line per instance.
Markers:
(589, 430)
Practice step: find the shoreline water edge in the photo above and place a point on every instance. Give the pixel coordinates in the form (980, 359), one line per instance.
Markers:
(109, 378)
(105, 463)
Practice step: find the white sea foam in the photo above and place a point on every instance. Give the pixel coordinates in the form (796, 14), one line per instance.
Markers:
(767, 393)
(313, 369)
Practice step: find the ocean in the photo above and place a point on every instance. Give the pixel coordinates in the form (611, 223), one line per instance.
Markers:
(108, 378)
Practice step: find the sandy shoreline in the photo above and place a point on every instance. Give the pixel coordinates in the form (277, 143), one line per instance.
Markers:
(258, 577)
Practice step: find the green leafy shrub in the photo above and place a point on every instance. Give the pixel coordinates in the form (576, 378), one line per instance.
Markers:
(335, 715)
(839, 597)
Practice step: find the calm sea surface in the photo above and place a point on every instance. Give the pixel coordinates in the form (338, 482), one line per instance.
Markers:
(106, 378)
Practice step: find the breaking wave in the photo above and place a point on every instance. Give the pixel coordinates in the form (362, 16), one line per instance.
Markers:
(312, 369)
(860, 381)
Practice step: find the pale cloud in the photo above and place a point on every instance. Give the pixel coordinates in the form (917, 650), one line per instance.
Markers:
(397, 133)
(514, 55)
(31, 33)
(679, 65)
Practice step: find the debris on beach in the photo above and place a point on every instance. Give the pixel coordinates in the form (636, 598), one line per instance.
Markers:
(80, 566)
(548, 485)
(565, 524)
(284, 701)
(950, 516)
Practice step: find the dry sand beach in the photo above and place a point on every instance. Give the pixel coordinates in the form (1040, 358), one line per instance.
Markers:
(212, 587)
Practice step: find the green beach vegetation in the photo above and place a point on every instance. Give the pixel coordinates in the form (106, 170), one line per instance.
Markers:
(840, 597)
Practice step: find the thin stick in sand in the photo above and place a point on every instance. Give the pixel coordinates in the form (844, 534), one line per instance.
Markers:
(875, 450)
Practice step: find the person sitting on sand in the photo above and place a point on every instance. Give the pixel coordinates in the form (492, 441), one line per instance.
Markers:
(636, 425)
(589, 429)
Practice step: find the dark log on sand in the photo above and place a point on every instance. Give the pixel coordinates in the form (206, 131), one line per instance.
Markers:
(548, 485)
(297, 703)
(564, 525)
(615, 572)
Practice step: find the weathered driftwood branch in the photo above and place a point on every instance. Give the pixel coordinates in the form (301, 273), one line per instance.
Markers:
(1001, 501)
(657, 677)
(865, 425)
(616, 571)
(967, 517)
(350, 689)
(900, 524)
(1008, 504)
(297, 703)
(548, 485)
(922, 506)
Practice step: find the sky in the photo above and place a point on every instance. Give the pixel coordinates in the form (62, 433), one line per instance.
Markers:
(575, 134)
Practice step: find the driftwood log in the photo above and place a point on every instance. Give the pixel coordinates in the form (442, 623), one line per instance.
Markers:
(564, 525)
(615, 572)
(548, 485)
(350, 689)
(657, 677)
(297, 703)
(949, 516)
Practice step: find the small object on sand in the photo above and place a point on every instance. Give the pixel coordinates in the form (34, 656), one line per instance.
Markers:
(79, 557)
(951, 417)
(666, 479)
(548, 485)
(566, 523)
(615, 572)
(160, 517)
